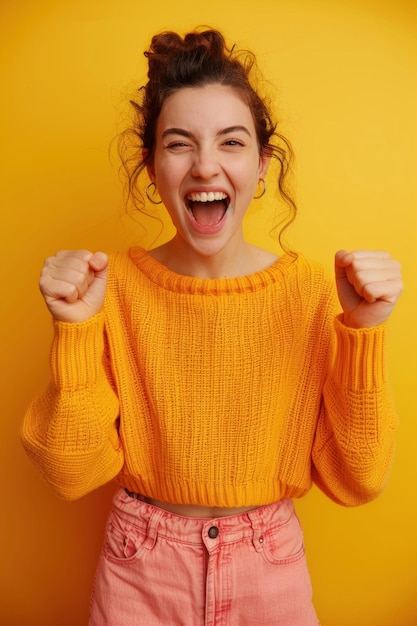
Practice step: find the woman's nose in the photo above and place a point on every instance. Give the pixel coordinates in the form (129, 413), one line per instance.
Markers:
(205, 164)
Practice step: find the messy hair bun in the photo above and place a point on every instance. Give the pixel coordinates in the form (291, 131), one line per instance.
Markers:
(199, 59)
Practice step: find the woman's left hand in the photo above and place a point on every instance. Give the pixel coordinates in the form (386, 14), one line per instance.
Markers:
(368, 284)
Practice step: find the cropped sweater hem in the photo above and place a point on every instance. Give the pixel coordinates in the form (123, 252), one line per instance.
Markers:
(227, 496)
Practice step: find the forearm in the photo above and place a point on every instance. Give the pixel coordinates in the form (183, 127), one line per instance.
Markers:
(70, 431)
(355, 436)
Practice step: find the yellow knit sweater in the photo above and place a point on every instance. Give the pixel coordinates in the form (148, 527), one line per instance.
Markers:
(228, 392)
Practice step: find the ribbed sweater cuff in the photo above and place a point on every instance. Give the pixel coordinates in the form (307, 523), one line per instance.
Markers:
(360, 356)
(76, 353)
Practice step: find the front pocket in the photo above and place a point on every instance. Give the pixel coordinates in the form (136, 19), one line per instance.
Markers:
(123, 543)
(284, 543)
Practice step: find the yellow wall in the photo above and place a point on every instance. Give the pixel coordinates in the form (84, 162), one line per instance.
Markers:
(345, 76)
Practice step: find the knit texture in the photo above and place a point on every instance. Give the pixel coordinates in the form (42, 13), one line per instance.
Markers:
(217, 392)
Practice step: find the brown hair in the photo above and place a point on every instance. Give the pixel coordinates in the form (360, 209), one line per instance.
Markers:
(196, 60)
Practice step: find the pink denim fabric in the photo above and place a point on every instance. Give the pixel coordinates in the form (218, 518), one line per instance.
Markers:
(242, 570)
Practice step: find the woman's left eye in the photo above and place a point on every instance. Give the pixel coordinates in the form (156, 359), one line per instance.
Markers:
(233, 142)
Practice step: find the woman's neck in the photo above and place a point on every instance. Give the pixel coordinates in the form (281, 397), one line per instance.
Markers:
(244, 259)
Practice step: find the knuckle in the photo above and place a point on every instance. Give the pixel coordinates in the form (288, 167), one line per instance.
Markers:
(72, 290)
(48, 262)
(79, 280)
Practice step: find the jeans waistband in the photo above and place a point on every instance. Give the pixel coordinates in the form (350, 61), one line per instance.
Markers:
(228, 529)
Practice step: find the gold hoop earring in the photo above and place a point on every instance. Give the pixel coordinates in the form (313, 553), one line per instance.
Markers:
(153, 192)
(261, 180)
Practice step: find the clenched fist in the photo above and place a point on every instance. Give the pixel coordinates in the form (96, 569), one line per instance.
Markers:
(73, 284)
(368, 284)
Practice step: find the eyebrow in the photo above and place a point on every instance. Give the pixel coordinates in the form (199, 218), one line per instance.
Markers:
(224, 131)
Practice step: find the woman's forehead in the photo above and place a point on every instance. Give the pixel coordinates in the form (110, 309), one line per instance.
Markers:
(214, 105)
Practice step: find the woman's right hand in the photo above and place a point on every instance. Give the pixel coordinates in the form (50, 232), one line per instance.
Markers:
(73, 284)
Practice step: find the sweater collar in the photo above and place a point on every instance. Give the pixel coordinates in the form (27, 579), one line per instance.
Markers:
(167, 279)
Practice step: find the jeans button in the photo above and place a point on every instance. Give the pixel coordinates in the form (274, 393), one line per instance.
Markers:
(213, 532)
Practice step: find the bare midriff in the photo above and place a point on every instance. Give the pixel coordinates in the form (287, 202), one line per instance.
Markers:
(202, 512)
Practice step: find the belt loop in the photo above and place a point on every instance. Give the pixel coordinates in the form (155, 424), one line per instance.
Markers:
(152, 528)
(258, 528)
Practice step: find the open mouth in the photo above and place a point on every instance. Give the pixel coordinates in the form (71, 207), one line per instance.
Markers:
(208, 208)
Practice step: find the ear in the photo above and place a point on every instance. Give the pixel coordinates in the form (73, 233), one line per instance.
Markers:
(264, 161)
(149, 168)
(151, 173)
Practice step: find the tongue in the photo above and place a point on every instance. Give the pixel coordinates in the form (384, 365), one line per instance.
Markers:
(208, 213)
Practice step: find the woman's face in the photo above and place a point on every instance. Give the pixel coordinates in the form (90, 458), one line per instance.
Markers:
(206, 165)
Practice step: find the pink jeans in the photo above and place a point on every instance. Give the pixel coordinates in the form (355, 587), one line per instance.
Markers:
(160, 568)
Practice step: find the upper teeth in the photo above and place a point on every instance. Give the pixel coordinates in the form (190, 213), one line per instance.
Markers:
(202, 196)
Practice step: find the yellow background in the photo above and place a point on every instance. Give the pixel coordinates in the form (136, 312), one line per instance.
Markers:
(345, 86)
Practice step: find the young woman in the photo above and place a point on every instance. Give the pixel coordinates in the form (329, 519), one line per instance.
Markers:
(214, 381)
